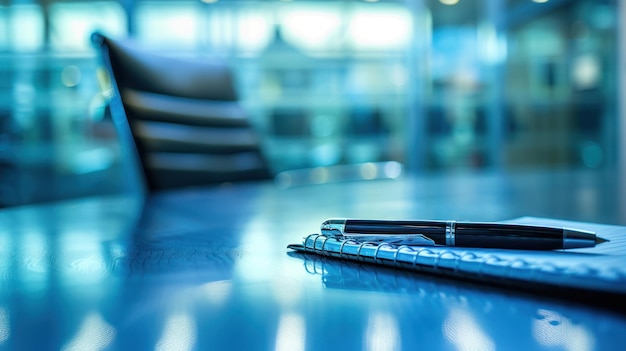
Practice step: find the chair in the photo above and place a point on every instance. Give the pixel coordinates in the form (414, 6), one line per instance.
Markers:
(181, 117)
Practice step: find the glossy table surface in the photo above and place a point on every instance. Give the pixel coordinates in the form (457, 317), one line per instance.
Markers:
(209, 269)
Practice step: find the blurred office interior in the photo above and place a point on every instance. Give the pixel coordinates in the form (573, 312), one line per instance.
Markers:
(436, 85)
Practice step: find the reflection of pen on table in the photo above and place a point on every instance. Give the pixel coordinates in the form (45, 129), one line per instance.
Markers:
(463, 234)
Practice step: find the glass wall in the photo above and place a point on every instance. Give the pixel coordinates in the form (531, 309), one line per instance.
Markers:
(437, 85)
(561, 86)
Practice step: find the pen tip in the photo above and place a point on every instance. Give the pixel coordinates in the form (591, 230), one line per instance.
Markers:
(600, 240)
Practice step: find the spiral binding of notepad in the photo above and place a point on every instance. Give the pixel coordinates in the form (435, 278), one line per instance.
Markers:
(501, 267)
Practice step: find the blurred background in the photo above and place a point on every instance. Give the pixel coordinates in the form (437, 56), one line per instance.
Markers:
(436, 85)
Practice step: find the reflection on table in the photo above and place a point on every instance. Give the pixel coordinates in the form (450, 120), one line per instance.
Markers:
(208, 268)
(466, 311)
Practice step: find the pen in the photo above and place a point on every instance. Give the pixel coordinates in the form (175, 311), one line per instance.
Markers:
(463, 234)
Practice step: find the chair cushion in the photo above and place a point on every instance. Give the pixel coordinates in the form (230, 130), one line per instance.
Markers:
(171, 137)
(205, 162)
(173, 170)
(139, 69)
(158, 107)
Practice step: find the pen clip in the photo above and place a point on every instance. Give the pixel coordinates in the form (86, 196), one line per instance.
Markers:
(400, 239)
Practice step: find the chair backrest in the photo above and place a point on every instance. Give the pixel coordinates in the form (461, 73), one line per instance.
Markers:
(183, 117)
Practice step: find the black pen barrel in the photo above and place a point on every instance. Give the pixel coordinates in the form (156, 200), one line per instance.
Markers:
(508, 236)
(486, 235)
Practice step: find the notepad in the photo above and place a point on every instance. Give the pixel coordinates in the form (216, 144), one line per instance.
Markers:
(599, 269)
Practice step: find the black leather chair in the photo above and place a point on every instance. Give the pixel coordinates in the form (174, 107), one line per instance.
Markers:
(182, 117)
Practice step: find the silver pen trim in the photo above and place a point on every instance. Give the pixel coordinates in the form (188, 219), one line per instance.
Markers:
(334, 227)
(450, 233)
